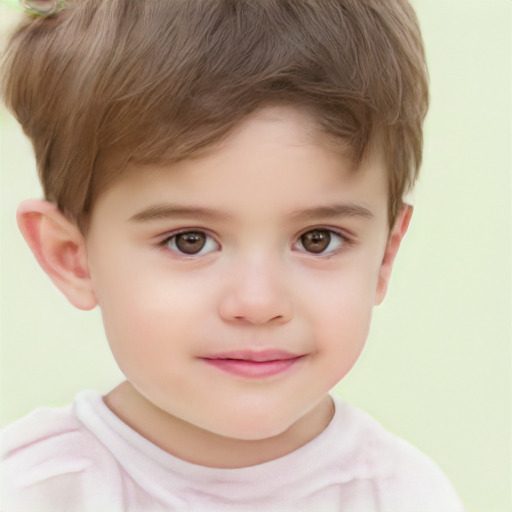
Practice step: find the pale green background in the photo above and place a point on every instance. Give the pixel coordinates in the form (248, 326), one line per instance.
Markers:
(437, 369)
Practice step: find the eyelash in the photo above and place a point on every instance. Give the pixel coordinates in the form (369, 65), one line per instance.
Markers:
(173, 236)
(344, 242)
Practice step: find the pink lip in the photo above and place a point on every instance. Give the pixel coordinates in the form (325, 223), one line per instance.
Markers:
(254, 364)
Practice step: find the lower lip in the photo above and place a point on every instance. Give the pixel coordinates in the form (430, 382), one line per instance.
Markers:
(253, 369)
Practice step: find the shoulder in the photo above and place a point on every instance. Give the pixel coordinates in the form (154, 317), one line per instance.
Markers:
(403, 477)
(49, 457)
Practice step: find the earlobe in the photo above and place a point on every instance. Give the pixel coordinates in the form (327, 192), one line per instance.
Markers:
(392, 246)
(60, 249)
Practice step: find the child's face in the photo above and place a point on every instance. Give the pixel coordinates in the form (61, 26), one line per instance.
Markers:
(267, 246)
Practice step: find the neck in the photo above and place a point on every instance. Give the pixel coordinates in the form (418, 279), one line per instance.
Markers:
(198, 446)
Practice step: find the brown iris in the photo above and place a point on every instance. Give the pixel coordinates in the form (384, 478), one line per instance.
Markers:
(191, 242)
(316, 241)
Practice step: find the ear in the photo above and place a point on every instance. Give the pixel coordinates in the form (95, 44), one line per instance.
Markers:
(393, 243)
(60, 249)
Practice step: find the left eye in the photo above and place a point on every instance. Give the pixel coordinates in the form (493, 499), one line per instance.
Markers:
(191, 243)
(321, 241)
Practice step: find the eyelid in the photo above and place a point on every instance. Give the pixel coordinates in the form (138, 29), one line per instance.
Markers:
(179, 231)
(164, 240)
(348, 240)
(343, 233)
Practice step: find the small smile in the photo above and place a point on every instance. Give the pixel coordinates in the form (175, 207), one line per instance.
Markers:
(254, 364)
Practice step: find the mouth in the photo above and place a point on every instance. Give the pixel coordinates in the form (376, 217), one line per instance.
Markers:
(254, 364)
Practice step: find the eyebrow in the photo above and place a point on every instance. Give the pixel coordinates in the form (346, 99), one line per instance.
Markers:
(166, 211)
(334, 210)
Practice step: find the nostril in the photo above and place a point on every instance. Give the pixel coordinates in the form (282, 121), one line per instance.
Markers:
(255, 318)
(255, 298)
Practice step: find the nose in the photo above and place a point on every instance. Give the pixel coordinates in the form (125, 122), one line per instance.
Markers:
(256, 293)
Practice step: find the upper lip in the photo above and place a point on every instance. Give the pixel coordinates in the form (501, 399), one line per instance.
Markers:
(255, 355)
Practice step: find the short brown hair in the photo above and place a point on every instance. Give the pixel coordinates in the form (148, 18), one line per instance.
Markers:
(156, 81)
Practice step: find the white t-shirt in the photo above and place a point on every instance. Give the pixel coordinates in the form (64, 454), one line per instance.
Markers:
(83, 458)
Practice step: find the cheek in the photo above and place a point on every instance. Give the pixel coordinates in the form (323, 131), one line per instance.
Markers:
(145, 314)
(339, 311)
(344, 297)
(343, 323)
(341, 341)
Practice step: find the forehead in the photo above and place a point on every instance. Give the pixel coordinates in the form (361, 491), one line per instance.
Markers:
(277, 156)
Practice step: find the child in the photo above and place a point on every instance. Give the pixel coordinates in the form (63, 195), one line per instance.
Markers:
(225, 180)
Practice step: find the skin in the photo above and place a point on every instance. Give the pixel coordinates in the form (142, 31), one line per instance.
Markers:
(256, 284)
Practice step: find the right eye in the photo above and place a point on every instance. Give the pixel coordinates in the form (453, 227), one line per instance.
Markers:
(191, 243)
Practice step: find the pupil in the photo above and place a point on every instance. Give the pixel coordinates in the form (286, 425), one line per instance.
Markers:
(190, 243)
(316, 241)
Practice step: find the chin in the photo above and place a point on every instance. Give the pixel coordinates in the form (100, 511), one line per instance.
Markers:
(252, 428)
